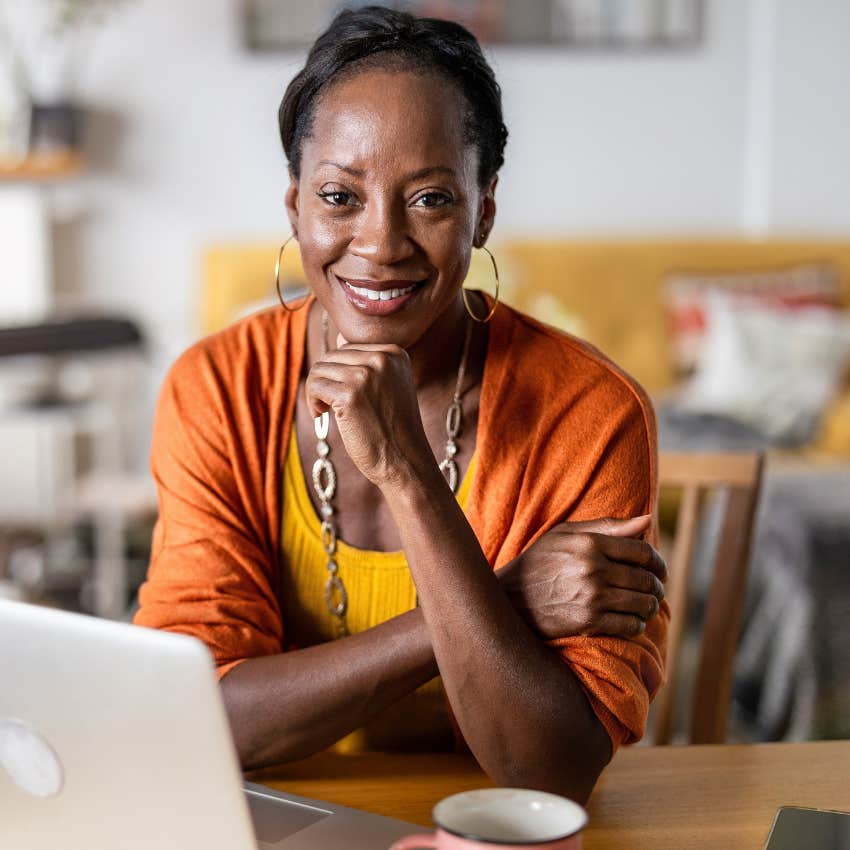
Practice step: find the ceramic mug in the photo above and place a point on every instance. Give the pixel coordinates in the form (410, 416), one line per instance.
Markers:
(502, 819)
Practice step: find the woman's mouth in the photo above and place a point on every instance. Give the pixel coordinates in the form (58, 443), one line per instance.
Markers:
(379, 298)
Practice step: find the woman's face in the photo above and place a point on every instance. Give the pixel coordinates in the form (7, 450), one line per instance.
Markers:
(388, 202)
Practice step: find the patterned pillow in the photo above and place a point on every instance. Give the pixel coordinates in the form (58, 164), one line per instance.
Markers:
(687, 294)
(774, 369)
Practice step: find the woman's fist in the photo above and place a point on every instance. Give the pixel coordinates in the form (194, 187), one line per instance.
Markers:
(369, 389)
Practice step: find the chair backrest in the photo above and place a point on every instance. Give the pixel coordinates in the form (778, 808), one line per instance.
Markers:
(695, 475)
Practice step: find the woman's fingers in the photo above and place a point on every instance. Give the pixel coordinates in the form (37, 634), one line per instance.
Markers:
(322, 391)
(618, 601)
(631, 527)
(355, 351)
(618, 540)
(625, 550)
(344, 387)
(350, 354)
(619, 625)
(637, 579)
(348, 373)
(361, 367)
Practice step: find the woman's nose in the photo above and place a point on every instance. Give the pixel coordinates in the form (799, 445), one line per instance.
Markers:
(381, 235)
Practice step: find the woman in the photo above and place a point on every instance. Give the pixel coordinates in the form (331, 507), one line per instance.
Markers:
(544, 622)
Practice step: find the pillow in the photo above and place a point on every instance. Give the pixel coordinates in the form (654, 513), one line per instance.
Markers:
(770, 367)
(686, 297)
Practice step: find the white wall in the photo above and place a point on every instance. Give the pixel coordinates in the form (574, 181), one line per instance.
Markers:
(811, 132)
(184, 152)
(183, 144)
(643, 143)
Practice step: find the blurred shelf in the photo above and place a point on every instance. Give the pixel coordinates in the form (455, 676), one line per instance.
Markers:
(53, 165)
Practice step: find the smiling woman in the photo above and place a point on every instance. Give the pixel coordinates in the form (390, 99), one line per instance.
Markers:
(519, 610)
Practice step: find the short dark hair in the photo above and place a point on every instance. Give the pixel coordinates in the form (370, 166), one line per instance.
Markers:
(375, 36)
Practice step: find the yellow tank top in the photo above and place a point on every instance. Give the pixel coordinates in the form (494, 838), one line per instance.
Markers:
(379, 587)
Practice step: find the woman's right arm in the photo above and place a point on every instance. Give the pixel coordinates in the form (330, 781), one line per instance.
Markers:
(287, 706)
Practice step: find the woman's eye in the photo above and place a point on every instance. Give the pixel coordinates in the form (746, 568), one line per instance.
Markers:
(432, 199)
(337, 199)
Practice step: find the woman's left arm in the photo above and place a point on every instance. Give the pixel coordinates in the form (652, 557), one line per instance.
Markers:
(520, 708)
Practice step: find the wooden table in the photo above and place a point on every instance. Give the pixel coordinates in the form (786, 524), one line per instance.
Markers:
(718, 797)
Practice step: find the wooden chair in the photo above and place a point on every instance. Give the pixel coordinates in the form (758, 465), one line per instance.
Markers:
(695, 475)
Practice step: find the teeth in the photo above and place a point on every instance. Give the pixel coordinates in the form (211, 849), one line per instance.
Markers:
(374, 295)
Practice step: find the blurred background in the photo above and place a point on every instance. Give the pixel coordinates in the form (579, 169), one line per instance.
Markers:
(676, 190)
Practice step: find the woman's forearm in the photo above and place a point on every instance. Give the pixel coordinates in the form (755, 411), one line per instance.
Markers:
(520, 708)
(288, 706)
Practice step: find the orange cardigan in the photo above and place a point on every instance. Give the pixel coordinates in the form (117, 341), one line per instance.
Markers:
(563, 434)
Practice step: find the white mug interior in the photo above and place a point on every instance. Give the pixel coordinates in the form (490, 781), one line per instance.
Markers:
(510, 816)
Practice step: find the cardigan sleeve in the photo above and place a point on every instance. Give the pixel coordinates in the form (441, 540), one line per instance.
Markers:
(620, 676)
(210, 569)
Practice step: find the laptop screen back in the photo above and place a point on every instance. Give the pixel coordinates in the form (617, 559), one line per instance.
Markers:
(112, 736)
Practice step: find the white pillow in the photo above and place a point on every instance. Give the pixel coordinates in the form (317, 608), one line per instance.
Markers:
(769, 367)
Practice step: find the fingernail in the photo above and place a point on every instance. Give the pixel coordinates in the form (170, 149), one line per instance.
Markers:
(341, 341)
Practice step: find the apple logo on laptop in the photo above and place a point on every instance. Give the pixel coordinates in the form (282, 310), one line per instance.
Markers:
(29, 759)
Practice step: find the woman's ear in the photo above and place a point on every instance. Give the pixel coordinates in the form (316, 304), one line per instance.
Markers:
(486, 214)
(291, 202)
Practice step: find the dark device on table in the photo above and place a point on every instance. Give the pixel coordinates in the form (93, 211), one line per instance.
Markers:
(809, 829)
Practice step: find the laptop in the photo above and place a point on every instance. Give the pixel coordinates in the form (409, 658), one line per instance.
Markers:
(114, 737)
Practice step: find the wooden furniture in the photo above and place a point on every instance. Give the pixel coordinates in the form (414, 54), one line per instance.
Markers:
(649, 798)
(53, 165)
(739, 475)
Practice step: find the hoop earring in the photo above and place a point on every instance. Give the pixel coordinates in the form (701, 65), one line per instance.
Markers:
(277, 274)
(496, 297)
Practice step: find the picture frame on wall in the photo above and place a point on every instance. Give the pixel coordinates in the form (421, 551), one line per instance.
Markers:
(611, 25)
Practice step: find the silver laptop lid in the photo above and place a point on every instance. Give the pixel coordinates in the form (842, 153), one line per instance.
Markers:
(112, 736)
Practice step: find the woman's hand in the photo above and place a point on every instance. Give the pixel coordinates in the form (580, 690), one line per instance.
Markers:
(587, 578)
(369, 388)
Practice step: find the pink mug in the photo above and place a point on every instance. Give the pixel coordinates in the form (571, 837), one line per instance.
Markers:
(502, 819)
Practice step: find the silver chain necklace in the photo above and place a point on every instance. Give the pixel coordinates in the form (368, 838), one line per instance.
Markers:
(325, 478)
